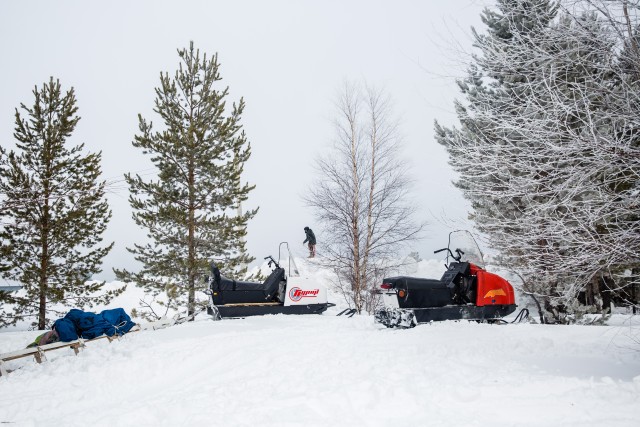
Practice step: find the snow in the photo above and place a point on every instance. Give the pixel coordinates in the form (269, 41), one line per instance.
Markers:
(325, 370)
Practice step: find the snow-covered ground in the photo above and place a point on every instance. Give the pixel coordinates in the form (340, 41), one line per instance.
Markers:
(333, 371)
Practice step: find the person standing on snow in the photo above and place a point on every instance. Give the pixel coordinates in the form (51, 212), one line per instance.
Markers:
(311, 238)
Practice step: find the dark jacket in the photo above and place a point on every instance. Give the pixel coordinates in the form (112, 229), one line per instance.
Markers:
(311, 238)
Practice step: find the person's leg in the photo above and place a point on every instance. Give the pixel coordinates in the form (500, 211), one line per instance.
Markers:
(310, 250)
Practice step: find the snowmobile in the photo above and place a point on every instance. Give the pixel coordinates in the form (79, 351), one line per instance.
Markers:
(465, 291)
(278, 294)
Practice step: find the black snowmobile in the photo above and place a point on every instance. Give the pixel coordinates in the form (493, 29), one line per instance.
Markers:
(276, 295)
(465, 291)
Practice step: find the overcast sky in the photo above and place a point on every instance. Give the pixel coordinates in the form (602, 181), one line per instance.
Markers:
(288, 59)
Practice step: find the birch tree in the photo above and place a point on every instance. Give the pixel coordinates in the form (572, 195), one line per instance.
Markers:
(361, 196)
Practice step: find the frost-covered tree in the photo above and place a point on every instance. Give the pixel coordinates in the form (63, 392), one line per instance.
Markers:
(614, 134)
(190, 211)
(554, 185)
(565, 206)
(361, 196)
(53, 213)
(484, 151)
(584, 118)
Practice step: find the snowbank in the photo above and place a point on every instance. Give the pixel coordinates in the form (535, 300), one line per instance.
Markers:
(324, 370)
(327, 370)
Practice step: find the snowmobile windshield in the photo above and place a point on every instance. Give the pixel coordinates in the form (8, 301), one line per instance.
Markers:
(463, 241)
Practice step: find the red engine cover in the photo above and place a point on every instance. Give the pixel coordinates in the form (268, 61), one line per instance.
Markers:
(492, 289)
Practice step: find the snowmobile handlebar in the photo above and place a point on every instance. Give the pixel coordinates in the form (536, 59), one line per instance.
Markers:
(271, 260)
(458, 251)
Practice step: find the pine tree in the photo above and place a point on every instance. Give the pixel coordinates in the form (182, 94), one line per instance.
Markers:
(484, 151)
(191, 211)
(54, 212)
(577, 203)
(574, 71)
(540, 152)
(616, 158)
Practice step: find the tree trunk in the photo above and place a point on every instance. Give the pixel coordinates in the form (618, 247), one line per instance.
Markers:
(372, 189)
(191, 303)
(355, 211)
(42, 309)
(593, 294)
(44, 260)
(42, 286)
(540, 312)
(635, 272)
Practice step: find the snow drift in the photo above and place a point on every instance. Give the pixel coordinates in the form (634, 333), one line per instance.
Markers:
(321, 370)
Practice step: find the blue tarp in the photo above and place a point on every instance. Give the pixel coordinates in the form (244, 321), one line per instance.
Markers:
(78, 323)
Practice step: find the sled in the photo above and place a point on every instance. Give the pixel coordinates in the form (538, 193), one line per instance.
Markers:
(38, 352)
(278, 294)
(465, 291)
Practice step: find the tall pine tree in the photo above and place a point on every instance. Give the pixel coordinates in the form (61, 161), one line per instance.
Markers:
(486, 153)
(192, 211)
(54, 212)
(541, 154)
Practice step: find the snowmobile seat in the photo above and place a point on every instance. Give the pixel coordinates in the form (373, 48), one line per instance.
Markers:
(425, 292)
(227, 284)
(419, 292)
(229, 291)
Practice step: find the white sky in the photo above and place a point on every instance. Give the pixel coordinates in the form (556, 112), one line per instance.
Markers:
(288, 59)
